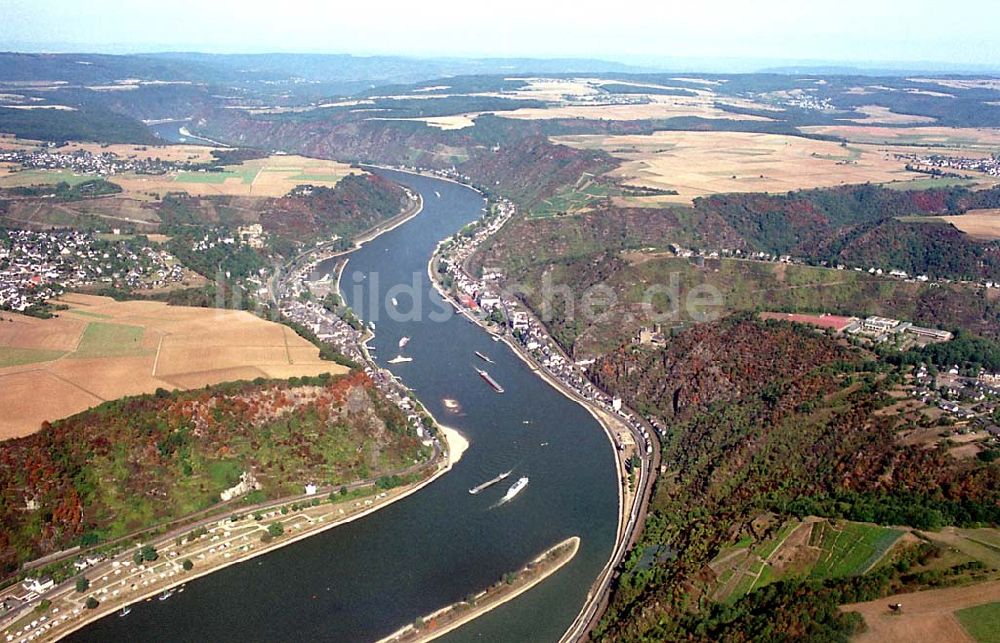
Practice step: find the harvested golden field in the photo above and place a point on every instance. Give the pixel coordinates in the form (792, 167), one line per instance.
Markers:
(702, 163)
(979, 224)
(175, 153)
(963, 137)
(961, 83)
(273, 176)
(885, 116)
(925, 616)
(10, 143)
(101, 349)
(586, 98)
(270, 177)
(659, 106)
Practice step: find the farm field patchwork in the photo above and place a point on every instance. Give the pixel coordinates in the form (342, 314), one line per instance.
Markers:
(814, 549)
(100, 349)
(967, 137)
(703, 163)
(850, 548)
(926, 616)
(273, 176)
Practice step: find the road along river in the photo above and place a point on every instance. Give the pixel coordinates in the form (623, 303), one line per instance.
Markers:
(366, 579)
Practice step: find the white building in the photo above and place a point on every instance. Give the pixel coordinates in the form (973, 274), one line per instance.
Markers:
(38, 585)
(879, 324)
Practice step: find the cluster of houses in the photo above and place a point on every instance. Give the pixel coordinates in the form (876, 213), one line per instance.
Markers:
(989, 165)
(800, 99)
(36, 266)
(252, 235)
(216, 237)
(698, 258)
(349, 341)
(971, 399)
(484, 296)
(84, 162)
(36, 586)
(476, 293)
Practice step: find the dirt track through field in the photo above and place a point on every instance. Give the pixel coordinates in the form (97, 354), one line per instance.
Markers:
(925, 616)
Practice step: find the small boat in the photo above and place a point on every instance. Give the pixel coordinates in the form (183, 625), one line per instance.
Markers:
(403, 341)
(125, 612)
(496, 338)
(167, 593)
(399, 359)
(371, 325)
(394, 302)
(485, 358)
(438, 194)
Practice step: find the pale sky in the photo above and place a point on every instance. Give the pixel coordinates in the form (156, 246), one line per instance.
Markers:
(849, 31)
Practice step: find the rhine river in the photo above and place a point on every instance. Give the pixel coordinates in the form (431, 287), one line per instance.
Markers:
(364, 580)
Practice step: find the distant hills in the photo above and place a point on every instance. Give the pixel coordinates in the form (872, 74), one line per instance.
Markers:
(342, 73)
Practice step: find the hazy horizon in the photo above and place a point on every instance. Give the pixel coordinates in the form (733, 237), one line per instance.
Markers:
(718, 37)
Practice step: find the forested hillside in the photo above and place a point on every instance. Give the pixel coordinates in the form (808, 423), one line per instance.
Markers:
(862, 225)
(768, 416)
(355, 204)
(132, 463)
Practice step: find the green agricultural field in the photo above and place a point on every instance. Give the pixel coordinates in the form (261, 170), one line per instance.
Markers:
(101, 339)
(43, 177)
(981, 622)
(844, 550)
(571, 199)
(749, 579)
(87, 313)
(767, 548)
(929, 183)
(12, 356)
(245, 175)
(852, 548)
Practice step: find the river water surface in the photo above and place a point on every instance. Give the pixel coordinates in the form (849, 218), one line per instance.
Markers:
(365, 579)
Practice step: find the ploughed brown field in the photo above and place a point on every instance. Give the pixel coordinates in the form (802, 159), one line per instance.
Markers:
(101, 349)
(925, 616)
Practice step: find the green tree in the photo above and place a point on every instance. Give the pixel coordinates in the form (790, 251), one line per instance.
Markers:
(82, 584)
(275, 529)
(149, 553)
(187, 565)
(92, 603)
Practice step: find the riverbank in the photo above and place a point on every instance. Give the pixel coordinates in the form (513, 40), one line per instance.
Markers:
(632, 503)
(228, 542)
(456, 615)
